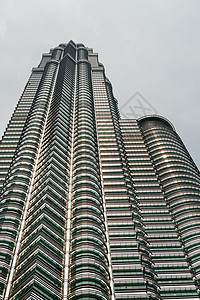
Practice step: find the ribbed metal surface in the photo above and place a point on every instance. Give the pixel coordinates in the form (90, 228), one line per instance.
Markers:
(180, 183)
(17, 182)
(11, 138)
(93, 207)
(88, 262)
(133, 276)
(40, 265)
(174, 277)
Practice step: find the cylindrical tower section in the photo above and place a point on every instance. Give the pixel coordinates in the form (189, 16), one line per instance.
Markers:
(89, 277)
(82, 52)
(180, 182)
(57, 53)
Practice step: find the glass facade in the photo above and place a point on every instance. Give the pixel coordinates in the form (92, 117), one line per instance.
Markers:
(93, 206)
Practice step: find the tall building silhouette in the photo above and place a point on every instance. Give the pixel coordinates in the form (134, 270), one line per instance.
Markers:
(94, 206)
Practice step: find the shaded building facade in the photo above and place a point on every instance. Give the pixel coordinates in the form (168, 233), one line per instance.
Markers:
(94, 206)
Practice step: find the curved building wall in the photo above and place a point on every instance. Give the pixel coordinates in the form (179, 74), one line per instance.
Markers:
(180, 182)
(169, 263)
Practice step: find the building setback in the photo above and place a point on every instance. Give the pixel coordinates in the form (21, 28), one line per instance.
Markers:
(94, 206)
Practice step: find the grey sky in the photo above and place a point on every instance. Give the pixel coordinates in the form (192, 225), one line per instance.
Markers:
(150, 46)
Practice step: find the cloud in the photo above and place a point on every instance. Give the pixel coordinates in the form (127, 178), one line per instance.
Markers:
(150, 46)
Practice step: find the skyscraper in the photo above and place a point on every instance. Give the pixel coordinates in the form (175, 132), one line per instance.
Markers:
(94, 206)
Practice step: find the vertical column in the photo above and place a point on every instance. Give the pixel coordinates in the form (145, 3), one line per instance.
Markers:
(89, 277)
(68, 214)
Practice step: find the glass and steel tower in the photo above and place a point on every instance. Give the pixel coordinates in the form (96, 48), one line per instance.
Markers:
(94, 206)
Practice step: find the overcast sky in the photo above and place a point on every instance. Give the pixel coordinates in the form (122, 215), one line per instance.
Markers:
(147, 46)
